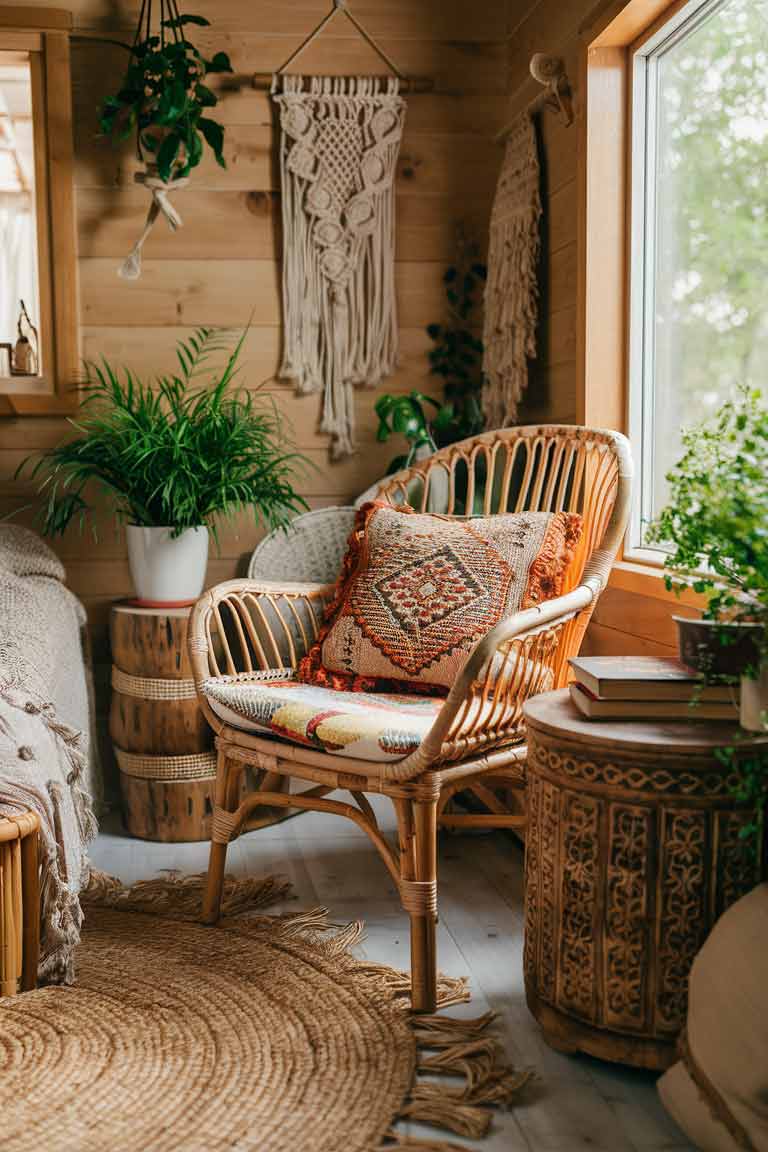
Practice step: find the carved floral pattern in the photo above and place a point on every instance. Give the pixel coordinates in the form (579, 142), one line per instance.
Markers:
(626, 904)
(622, 889)
(578, 903)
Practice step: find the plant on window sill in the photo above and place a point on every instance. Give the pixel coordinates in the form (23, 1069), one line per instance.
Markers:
(716, 525)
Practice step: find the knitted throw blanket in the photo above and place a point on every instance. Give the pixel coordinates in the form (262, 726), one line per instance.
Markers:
(338, 151)
(43, 755)
(511, 292)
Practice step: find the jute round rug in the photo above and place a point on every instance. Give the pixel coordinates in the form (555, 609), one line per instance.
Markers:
(264, 1033)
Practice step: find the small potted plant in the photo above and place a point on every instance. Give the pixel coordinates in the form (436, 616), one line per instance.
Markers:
(164, 99)
(171, 458)
(456, 356)
(716, 527)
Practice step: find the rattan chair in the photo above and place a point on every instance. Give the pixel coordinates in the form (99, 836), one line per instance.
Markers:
(311, 548)
(246, 625)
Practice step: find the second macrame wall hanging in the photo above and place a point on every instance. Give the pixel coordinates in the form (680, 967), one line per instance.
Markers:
(340, 138)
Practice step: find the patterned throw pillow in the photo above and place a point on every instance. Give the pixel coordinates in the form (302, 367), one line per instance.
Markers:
(418, 591)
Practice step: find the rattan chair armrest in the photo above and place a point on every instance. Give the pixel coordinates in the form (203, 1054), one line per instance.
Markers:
(255, 641)
(546, 619)
(259, 587)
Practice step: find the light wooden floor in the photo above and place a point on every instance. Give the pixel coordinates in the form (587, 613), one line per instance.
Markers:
(577, 1103)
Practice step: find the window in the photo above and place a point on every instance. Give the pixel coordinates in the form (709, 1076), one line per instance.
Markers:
(19, 285)
(698, 304)
(38, 304)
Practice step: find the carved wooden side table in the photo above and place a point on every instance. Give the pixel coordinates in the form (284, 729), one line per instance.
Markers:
(632, 852)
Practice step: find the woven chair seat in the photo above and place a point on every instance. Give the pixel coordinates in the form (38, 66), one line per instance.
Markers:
(311, 549)
(364, 726)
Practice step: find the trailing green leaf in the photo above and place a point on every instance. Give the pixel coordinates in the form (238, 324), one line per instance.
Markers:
(162, 98)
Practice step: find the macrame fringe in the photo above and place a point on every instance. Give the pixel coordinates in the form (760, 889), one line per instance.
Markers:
(511, 291)
(459, 1049)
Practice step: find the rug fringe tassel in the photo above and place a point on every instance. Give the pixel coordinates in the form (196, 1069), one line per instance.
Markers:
(180, 897)
(451, 990)
(459, 1048)
(398, 1143)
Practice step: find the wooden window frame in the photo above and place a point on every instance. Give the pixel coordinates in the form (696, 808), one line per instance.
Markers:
(45, 33)
(609, 36)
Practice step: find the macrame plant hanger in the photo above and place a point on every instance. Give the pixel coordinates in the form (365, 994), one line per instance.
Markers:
(130, 269)
(340, 139)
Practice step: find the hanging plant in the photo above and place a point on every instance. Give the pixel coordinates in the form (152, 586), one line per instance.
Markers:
(164, 98)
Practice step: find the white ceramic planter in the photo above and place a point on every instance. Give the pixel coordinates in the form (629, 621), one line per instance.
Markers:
(164, 569)
(753, 713)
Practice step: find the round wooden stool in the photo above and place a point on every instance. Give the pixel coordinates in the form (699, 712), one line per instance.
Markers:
(19, 903)
(632, 853)
(162, 742)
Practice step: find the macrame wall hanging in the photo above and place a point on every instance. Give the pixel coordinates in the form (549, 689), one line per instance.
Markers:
(340, 138)
(512, 288)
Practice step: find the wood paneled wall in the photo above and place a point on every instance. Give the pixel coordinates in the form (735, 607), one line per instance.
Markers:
(223, 266)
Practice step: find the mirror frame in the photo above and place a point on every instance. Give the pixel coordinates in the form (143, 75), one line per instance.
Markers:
(46, 31)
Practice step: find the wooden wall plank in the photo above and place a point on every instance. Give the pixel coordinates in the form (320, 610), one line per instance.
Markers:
(429, 19)
(246, 225)
(150, 351)
(226, 293)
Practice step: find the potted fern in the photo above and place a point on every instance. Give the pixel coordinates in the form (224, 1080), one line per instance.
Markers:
(172, 458)
(716, 529)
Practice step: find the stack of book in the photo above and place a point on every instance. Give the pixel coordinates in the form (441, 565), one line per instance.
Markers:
(647, 688)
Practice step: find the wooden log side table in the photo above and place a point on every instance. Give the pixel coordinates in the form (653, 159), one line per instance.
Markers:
(19, 903)
(632, 853)
(162, 742)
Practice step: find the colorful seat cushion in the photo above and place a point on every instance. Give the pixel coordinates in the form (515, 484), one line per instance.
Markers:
(418, 591)
(365, 727)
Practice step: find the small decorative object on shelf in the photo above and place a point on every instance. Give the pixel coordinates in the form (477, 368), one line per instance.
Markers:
(172, 457)
(19, 903)
(163, 744)
(634, 848)
(715, 525)
(163, 99)
(25, 357)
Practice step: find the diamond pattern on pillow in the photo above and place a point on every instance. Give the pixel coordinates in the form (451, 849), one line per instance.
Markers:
(419, 590)
(364, 727)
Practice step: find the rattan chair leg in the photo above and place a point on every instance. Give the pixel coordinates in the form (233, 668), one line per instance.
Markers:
(424, 925)
(217, 859)
(7, 968)
(30, 899)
